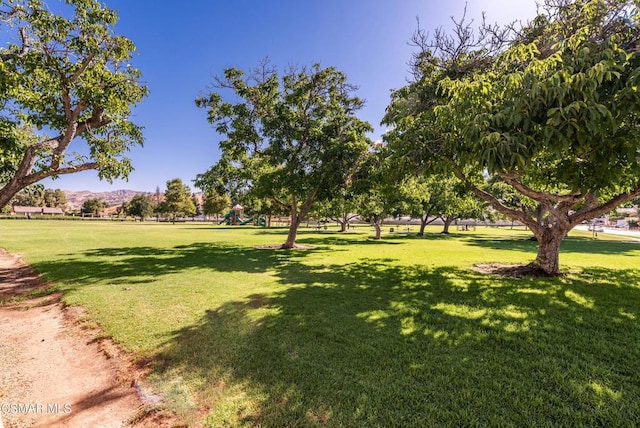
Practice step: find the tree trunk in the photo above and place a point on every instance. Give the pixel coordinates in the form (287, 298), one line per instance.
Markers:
(297, 217)
(423, 225)
(8, 192)
(447, 223)
(377, 226)
(293, 232)
(549, 240)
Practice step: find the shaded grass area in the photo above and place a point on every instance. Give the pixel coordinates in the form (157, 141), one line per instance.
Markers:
(373, 345)
(360, 333)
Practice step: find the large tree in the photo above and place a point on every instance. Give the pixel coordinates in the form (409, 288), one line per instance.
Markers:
(68, 74)
(554, 115)
(293, 138)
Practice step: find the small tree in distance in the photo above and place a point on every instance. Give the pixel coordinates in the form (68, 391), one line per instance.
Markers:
(140, 206)
(215, 203)
(93, 207)
(177, 200)
(30, 196)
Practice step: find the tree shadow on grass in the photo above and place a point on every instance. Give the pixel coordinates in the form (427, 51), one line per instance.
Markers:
(133, 265)
(370, 344)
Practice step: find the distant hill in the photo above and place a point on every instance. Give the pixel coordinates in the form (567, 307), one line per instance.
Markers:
(113, 198)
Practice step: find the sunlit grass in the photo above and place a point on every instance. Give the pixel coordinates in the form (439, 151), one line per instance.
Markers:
(356, 332)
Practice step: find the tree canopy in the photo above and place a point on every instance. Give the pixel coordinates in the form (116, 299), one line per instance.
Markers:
(141, 205)
(93, 206)
(70, 75)
(292, 138)
(215, 203)
(550, 109)
(177, 200)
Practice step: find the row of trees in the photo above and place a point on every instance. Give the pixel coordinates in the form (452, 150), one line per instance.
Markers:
(39, 196)
(294, 146)
(540, 121)
(176, 201)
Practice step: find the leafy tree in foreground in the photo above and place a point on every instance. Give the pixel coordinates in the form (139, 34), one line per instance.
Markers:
(70, 76)
(293, 139)
(555, 116)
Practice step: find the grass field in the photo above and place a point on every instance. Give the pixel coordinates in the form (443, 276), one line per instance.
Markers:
(355, 332)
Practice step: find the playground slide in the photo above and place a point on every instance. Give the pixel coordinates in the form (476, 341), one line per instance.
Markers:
(243, 221)
(227, 218)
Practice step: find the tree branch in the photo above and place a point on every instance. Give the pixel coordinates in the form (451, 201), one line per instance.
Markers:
(614, 202)
(495, 203)
(83, 66)
(23, 50)
(279, 202)
(510, 178)
(33, 178)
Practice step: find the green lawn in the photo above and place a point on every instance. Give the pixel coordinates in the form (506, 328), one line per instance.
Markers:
(355, 332)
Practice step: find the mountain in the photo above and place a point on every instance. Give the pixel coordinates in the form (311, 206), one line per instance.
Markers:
(113, 198)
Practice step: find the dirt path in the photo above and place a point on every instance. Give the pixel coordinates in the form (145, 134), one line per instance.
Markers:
(53, 373)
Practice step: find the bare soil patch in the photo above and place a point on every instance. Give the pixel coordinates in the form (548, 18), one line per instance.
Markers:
(281, 247)
(511, 271)
(53, 371)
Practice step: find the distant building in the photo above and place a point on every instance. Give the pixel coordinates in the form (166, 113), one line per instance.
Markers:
(29, 211)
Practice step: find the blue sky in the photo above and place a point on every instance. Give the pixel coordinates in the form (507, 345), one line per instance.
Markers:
(183, 44)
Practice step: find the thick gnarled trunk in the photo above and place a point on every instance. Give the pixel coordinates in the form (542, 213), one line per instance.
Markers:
(555, 215)
(547, 261)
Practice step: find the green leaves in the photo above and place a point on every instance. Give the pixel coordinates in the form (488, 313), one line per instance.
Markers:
(70, 74)
(177, 200)
(554, 115)
(294, 134)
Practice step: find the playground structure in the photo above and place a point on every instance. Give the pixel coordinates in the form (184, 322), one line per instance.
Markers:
(235, 217)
